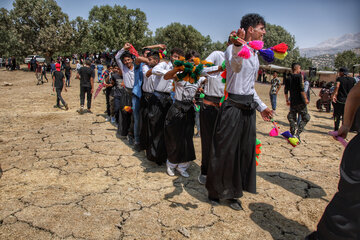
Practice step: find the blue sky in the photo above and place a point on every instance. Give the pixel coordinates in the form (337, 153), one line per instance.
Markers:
(310, 21)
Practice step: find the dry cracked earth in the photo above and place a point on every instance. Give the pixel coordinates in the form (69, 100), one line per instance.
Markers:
(67, 176)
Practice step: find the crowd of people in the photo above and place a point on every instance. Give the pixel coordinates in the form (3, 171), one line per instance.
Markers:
(9, 63)
(153, 104)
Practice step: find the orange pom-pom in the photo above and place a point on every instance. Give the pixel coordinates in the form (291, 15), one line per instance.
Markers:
(128, 109)
(196, 61)
(180, 68)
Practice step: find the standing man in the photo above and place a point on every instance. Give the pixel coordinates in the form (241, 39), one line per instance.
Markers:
(232, 165)
(52, 67)
(137, 91)
(274, 90)
(67, 73)
(78, 66)
(59, 85)
(159, 104)
(213, 90)
(43, 72)
(298, 100)
(344, 83)
(125, 61)
(86, 76)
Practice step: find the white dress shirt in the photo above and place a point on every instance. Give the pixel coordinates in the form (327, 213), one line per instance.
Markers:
(128, 75)
(241, 74)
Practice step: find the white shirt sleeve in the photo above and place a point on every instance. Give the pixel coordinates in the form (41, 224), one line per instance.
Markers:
(209, 69)
(159, 70)
(118, 60)
(235, 60)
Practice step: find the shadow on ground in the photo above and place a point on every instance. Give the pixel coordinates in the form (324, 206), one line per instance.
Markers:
(294, 184)
(275, 223)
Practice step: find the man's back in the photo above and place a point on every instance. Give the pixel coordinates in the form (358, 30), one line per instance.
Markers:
(346, 83)
(58, 79)
(295, 85)
(67, 69)
(85, 75)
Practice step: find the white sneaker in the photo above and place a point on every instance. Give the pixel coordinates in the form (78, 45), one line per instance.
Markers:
(202, 179)
(170, 171)
(184, 173)
(107, 119)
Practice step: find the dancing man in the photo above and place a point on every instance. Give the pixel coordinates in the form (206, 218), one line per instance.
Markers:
(232, 165)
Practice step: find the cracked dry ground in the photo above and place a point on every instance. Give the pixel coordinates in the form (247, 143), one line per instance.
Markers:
(67, 176)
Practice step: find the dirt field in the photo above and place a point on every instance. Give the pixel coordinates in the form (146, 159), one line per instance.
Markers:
(67, 176)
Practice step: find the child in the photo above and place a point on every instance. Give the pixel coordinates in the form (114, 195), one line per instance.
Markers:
(100, 68)
(325, 98)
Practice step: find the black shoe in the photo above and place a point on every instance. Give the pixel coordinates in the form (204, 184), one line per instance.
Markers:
(137, 147)
(235, 204)
(298, 137)
(131, 140)
(312, 236)
(214, 201)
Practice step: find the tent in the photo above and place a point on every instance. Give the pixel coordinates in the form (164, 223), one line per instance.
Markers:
(272, 67)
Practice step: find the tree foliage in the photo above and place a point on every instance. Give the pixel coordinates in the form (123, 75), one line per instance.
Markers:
(277, 34)
(42, 26)
(185, 37)
(111, 27)
(346, 59)
(10, 43)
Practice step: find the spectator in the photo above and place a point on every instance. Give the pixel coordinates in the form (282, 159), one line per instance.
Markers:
(344, 83)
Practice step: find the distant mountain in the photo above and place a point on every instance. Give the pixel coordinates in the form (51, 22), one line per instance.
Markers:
(333, 45)
(328, 60)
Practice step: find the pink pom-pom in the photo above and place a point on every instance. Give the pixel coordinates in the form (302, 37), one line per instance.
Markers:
(274, 132)
(244, 52)
(257, 45)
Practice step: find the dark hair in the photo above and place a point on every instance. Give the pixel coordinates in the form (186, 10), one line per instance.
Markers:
(88, 62)
(276, 72)
(108, 66)
(154, 54)
(344, 70)
(145, 49)
(293, 66)
(191, 53)
(251, 20)
(126, 54)
(178, 51)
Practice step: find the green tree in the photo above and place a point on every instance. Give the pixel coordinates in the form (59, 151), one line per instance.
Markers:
(214, 46)
(42, 26)
(10, 44)
(111, 27)
(82, 40)
(276, 34)
(346, 59)
(185, 37)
